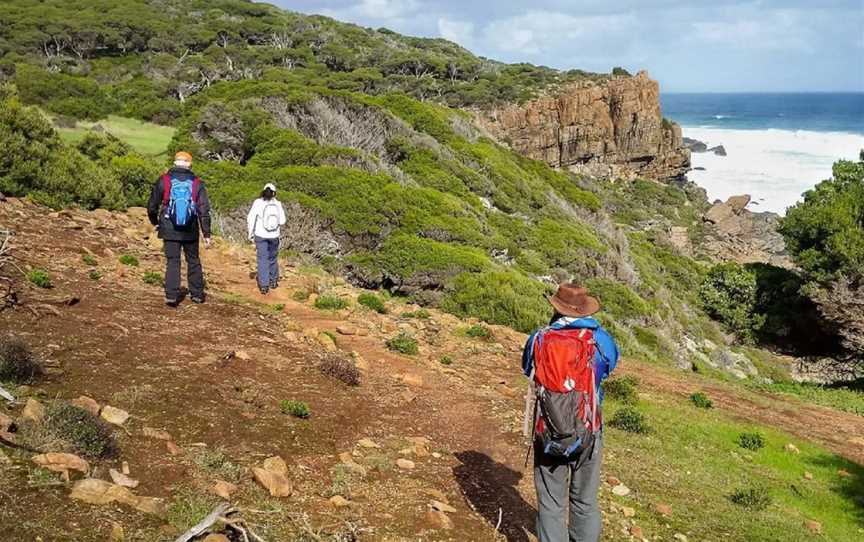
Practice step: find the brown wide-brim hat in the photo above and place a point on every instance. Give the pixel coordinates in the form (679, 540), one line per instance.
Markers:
(572, 300)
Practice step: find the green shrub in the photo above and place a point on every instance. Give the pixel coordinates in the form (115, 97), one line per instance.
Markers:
(753, 498)
(300, 295)
(89, 259)
(729, 294)
(18, 364)
(330, 303)
(420, 314)
(622, 389)
(129, 259)
(403, 343)
(68, 428)
(40, 278)
(153, 278)
(752, 441)
(298, 409)
(478, 331)
(701, 400)
(631, 420)
(94, 275)
(340, 367)
(618, 300)
(446, 360)
(372, 301)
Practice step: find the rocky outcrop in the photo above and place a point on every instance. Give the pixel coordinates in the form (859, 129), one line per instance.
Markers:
(613, 128)
(734, 233)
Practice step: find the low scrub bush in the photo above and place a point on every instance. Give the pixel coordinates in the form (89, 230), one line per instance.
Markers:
(446, 360)
(89, 259)
(420, 314)
(752, 441)
(373, 302)
(68, 428)
(403, 343)
(729, 294)
(631, 420)
(40, 278)
(300, 295)
(18, 364)
(701, 400)
(478, 331)
(622, 389)
(340, 367)
(753, 498)
(129, 259)
(219, 463)
(298, 409)
(330, 303)
(153, 278)
(94, 275)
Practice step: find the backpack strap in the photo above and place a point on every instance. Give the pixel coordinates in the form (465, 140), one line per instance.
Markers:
(166, 189)
(196, 184)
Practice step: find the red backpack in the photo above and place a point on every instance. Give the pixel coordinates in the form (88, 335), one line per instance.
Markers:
(567, 413)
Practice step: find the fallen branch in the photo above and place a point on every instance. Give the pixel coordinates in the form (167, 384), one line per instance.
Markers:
(205, 523)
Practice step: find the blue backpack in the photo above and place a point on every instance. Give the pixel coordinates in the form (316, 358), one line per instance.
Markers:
(180, 201)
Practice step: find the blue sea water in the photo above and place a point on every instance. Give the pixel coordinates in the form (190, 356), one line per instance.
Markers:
(778, 145)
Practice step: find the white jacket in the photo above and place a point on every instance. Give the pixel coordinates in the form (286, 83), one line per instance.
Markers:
(255, 219)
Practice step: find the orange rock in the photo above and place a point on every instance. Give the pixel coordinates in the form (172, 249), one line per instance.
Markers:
(88, 404)
(223, 489)
(63, 463)
(277, 484)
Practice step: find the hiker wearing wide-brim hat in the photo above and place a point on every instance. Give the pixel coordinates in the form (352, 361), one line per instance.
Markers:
(264, 222)
(566, 362)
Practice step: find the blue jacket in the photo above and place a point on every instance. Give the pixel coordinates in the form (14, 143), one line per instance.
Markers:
(605, 358)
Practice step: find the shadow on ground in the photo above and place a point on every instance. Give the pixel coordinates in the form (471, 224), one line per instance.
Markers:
(492, 488)
(849, 482)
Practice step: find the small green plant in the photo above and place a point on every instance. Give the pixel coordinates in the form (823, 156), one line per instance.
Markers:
(68, 428)
(40, 278)
(18, 364)
(403, 343)
(622, 389)
(701, 400)
(300, 295)
(94, 275)
(340, 367)
(420, 314)
(298, 409)
(753, 498)
(478, 331)
(153, 278)
(89, 259)
(446, 360)
(631, 420)
(373, 302)
(751, 441)
(129, 259)
(330, 303)
(188, 508)
(217, 462)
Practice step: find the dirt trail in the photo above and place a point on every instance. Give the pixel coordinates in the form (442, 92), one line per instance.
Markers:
(122, 346)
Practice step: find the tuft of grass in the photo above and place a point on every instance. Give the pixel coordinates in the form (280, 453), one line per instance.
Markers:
(40, 278)
(128, 259)
(188, 508)
(218, 463)
(752, 441)
(420, 314)
(622, 389)
(373, 302)
(95, 275)
(90, 260)
(403, 343)
(479, 331)
(841, 396)
(67, 428)
(631, 420)
(446, 360)
(300, 295)
(18, 364)
(298, 409)
(701, 400)
(752, 498)
(153, 278)
(330, 303)
(340, 367)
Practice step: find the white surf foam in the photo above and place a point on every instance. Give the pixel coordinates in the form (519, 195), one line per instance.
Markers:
(774, 166)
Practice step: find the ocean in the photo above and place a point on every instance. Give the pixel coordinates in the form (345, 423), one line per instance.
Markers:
(778, 145)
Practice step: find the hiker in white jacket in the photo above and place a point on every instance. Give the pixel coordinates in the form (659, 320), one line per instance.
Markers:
(264, 221)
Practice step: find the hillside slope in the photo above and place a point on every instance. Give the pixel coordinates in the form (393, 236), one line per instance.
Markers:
(211, 378)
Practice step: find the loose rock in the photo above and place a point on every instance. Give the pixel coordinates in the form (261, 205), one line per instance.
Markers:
(808, 475)
(276, 464)
(636, 532)
(33, 410)
(242, 355)
(61, 463)
(813, 526)
(442, 507)
(158, 434)
(275, 483)
(215, 537)
(346, 330)
(367, 443)
(122, 480)
(405, 464)
(621, 490)
(339, 501)
(792, 449)
(88, 404)
(439, 520)
(663, 509)
(628, 512)
(223, 489)
(114, 415)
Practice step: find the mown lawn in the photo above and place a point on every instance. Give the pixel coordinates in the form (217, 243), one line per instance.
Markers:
(147, 138)
(691, 461)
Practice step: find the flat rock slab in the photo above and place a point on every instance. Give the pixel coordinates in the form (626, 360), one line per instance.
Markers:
(63, 463)
(114, 415)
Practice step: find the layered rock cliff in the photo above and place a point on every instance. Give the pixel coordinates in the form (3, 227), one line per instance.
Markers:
(613, 128)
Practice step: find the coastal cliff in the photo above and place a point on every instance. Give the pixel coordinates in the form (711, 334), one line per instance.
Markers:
(611, 128)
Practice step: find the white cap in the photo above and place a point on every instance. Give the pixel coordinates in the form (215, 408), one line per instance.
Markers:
(271, 186)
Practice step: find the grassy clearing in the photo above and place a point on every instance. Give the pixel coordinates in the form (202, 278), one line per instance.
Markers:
(146, 138)
(692, 461)
(841, 398)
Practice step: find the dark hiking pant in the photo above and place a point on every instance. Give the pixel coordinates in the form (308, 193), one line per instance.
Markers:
(194, 273)
(267, 251)
(560, 483)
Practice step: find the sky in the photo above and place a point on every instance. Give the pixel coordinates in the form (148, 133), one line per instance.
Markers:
(688, 45)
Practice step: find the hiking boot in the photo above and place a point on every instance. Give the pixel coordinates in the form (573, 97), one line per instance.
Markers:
(197, 299)
(263, 290)
(172, 302)
(274, 285)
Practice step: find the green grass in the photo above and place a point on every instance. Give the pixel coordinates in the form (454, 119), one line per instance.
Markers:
(128, 259)
(373, 302)
(630, 420)
(39, 278)
(330, 303)
(692, 462)
(420, 314)
(700, 400)
(188, 508)
(146, 138)
(478, 331)
(89, 259)
(94, 275)
(403, 343)
(153, 278)
(446, 360)
(622, 389)
(752, 440)
(841, 398)
(298, 409)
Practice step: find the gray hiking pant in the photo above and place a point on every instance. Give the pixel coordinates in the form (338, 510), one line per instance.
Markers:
(194, 273)
(267, 251)
(559, 482)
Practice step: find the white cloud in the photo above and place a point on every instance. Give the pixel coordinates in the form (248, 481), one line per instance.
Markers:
(461, 32)
(779, 30)
(394, 12)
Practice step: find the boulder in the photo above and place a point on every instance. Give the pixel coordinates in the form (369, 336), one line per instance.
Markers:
(737, 364)
(95, 491)
(738, 203)
(114, 415)
(88, 404)
(719, 150)
(275, 464)
(276, 484)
